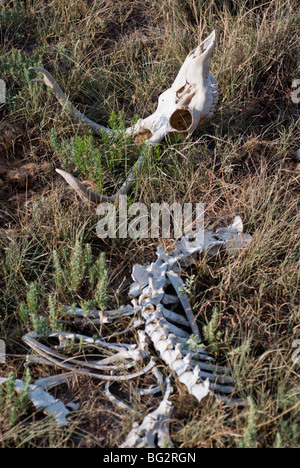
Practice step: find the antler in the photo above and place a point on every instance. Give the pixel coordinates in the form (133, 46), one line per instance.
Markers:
(82, 190)
(49, 81)
(95, 197)
(97, 129)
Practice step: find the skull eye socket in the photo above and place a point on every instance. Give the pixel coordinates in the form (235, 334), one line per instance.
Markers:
(181, 120)
(144, 134)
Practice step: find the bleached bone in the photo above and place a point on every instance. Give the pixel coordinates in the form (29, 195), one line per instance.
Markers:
(173, 317)
(155, 427)
(99, 317)
(135, 290)
(82, 190)
(148, 391)
(200, 378)
(200, 355)
(193, 374)
(158, 375)
(174, 358)
(68, 337)
(233, 238)
(204, 242)
(178, 285)
(43, 401)
(86, 367)
(134, 352)
(137, 323)
(153, 390)
(49, 81)
(31, 359)
(116, 401)
(190, 100)
(50, 382)
(169, 299)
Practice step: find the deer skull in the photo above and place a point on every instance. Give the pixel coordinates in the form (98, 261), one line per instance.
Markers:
(181, 109)
(191, 99)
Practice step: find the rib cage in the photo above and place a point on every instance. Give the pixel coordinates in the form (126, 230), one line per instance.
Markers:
(168, 331)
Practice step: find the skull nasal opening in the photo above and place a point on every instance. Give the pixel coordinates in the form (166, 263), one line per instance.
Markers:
(181, 120)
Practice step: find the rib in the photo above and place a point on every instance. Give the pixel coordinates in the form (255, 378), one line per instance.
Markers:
(89, 367)
(178, 285)
(154, 431)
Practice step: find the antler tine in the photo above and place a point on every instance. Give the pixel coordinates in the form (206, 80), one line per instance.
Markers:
(49, 81)
(95, 197)
(134, 170)
(84, 192)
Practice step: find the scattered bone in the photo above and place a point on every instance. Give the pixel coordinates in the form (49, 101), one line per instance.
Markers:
(91, 368)
(233, 237)
(50, 382)
(182, 108)
(116, 401)
(44, 401)
(155, 427)
(197, 371)
(99, 317)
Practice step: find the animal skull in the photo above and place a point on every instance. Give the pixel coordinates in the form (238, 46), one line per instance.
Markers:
(191, 99)
(181, 109)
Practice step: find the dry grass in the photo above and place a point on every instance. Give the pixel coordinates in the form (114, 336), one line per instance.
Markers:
(118, 56)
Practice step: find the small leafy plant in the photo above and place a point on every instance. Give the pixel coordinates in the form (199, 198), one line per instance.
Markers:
(210, 333)
(77, 271)
(13, 404)
(95, 159)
